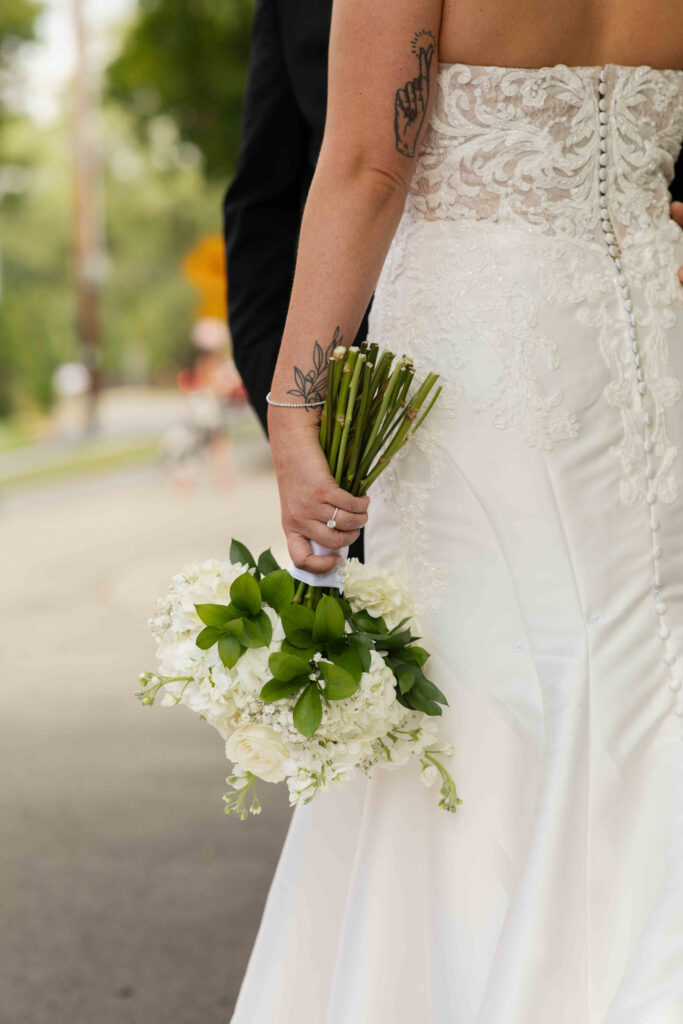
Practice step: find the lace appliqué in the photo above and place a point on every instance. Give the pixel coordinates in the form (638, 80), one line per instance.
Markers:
(520, 146)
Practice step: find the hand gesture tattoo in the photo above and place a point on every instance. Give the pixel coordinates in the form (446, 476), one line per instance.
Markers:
(411, 104)
(310, 386)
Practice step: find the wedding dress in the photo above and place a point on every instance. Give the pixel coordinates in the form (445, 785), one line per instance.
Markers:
(539, 514)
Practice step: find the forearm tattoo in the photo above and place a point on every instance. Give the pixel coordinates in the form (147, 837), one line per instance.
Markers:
(310, 386)
(411, 102)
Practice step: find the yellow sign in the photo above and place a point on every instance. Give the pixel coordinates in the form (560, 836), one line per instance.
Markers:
(204, 267)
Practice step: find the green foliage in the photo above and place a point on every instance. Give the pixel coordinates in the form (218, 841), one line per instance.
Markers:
(240, 554)
(17, 22)
(245, 594)
(320, 657)
(267, 562)
(287, 667)
(338, 682)
(308, 711)
(277, 588)
(188, 59)
(297, 622)
(329, 620)
(155, 209)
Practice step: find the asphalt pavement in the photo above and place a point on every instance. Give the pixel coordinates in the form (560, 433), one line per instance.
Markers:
(126, 895)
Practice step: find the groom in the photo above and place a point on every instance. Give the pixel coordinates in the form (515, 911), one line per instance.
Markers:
(283, 120)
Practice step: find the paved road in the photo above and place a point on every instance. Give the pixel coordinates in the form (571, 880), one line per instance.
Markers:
(127, 896)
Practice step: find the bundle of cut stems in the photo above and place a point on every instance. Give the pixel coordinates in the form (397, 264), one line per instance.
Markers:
(372, 409)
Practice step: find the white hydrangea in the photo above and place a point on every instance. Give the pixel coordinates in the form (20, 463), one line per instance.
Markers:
(369, 587)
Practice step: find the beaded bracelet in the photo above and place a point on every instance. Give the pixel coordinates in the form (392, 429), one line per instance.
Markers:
(293, 405)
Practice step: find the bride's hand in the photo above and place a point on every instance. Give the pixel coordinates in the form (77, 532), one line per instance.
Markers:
(677, 214)
(309, 493)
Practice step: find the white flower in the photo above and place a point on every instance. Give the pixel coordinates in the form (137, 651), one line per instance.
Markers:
(251, 669)
(370, 587)
(259, 749)
(223, 715)
(429, 774)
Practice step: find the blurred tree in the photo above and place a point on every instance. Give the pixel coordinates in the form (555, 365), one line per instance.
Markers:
(17, 21)
(188, 59)
(157, 205)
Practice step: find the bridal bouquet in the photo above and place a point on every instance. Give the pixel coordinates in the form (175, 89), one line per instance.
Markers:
(304, 684)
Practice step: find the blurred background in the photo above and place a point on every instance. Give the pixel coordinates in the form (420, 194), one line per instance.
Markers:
(126, 449)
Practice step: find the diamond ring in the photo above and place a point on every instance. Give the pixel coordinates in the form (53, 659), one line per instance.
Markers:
(331, 522)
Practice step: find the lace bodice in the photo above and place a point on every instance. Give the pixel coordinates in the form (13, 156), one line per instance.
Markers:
(522, 145)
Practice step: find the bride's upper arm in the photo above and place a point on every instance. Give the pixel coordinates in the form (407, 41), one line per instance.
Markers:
(382, 79)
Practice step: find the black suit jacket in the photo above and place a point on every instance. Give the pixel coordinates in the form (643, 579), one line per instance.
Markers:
(677, 183)
(283, 121)
(282, 129)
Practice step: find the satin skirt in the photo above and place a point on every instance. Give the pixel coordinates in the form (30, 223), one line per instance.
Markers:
(553, 608)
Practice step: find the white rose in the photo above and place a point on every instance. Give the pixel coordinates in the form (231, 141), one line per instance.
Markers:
(370, 587)
(259, 749)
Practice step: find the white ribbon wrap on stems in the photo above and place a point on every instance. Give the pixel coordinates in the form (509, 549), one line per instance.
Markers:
(331, 578)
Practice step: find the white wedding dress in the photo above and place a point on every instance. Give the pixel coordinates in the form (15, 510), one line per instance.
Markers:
(540, 517)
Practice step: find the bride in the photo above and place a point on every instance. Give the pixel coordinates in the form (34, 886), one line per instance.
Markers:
(497, 174)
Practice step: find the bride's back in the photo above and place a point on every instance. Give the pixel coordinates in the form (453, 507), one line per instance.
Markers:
(537, 33)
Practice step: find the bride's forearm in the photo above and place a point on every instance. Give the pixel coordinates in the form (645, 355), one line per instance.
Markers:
(349, 222)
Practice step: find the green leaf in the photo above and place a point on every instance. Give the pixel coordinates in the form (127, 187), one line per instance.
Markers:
(365, 658)
(286, 667)
(429, 690)
(214, 614)
(306, 653)
(414, 655)
(275, 689)
(297, 623)
(362, 643)
(419, 702)
(245, 594)
(229, 650)
(308, 711)
(253, 635)
(338, 683)
(208, 637)
(235, 627)
(277, 589)
(345, 607)
(394, 640)
(350, 660)
(405, 676)
(368, 623)
(329, 620)
(240, 554)
(265, 625)
(267, 563)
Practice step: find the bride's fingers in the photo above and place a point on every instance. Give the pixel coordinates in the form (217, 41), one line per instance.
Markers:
(331, 494)
(677, 212)
(331, 538)
(345, 521)
(303, 557)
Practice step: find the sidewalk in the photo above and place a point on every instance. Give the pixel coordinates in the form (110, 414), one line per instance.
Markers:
(127, 896)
